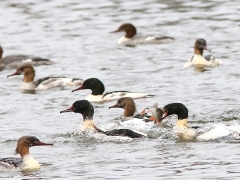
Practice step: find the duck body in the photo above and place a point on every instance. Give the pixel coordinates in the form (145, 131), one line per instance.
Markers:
(14, 61)
(98, 89)
(85, 108)
(202, 61)
(43, 83)
(26, 162)
(131, 37)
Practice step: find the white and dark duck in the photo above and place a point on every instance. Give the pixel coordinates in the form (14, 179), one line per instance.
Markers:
(44, 83)
(85, 108)
(186, 132)
(132, 38)
(26, 162)
(13, 61)
(98, 89)
(133, 119)
(198, 59)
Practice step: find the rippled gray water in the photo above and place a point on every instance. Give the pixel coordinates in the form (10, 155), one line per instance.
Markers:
(75, 34)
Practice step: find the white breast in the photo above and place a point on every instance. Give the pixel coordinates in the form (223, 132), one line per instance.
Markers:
(29, 163)
(93, 98)
(123, 40)
(27, 86)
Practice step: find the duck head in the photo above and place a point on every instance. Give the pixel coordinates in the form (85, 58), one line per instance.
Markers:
(175, 108)
(128, 28)
(83, 107)
(127, 104)
(199, 46)
(25, 142)
(93, 84)
(28, 71)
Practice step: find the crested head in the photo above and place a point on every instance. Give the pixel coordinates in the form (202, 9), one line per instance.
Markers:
(25, 142)
(93, 84)
(127, 104)
(83, 107)
(128, 28)
(199, 46)
(1, 52)
(28, 71)
(175, 108)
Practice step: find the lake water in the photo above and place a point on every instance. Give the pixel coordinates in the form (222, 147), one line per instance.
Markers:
(75, 34)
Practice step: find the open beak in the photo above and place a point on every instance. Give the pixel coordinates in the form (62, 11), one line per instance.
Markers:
(81, 87)
(43, 144)
(14, 74)
(71, 109)
(114, 106)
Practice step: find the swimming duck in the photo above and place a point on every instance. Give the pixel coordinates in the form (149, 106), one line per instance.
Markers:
(26, 162)
(186, 132)
(85, 108)
(43, 83)
(198, 59)
(130, 38)
(98, 89)
(13, 61)
(130, 116)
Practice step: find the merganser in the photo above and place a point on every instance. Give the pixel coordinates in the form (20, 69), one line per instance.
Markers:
(195, 132)
(43, 83)
(98, 89)
(198, 59)
(13, 61)
(129, 106)
(26, 162)
(130, 38)
(85, 108)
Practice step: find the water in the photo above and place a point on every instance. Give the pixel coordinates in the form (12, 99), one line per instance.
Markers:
(75, 34)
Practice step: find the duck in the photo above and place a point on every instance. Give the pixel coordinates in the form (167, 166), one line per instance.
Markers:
(26, 162)
(85, 108)
(130, 117)
(202, 61)
(190, 133)
(131, 37)
(44, 83)
(98, 89)
(13, 61)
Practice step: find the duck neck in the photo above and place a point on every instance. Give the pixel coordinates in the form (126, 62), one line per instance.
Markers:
(130, 34)
(129, 110)
(28, 77)
(22, 150)
(182, 123)
(198, 51)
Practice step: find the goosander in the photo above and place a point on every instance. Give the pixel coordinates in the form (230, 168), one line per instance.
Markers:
(198, 59)
(130, 116)
(13, 61)
(130, 38)
(43, 83)
(26, 162)
(98, 88)
(185, 132)
(85, 108)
